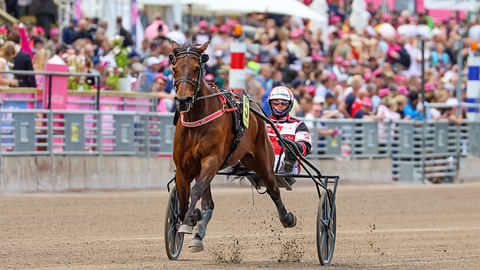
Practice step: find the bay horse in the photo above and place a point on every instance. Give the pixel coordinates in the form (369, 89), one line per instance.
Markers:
(203, 140)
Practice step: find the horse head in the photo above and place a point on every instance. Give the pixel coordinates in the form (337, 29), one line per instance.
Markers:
(187, 67)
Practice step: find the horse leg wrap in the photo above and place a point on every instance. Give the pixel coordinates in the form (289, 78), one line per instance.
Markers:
(196, 245)
(202, 225)
(199, 233)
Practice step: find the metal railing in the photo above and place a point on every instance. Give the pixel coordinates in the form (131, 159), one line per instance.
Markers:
(148, 134)
(50, 74)
(96, 99)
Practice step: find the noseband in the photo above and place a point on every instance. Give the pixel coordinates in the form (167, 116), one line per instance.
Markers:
(201, 58)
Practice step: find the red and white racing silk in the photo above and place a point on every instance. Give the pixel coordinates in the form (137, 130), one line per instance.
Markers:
(292, 129)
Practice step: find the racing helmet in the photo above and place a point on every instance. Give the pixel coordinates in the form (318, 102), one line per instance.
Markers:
(280, 93)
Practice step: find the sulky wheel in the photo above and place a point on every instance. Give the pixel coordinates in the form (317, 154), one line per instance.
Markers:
(173, 240)
(326, 228)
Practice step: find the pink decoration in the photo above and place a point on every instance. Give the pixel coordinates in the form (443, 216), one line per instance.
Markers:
(24, 42)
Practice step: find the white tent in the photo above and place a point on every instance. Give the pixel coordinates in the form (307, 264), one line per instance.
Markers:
(197, 7)
(285, 7)
(359, 17)
(108, 10)
(321, 7)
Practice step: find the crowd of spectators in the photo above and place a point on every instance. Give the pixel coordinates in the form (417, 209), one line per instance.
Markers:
(350, 74)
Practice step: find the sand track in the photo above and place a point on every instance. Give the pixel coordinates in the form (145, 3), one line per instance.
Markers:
(379, 227)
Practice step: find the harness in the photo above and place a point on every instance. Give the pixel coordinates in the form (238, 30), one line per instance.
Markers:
(229, 103)
(212, 116)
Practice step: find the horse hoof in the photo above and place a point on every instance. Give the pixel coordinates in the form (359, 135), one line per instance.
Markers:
(289, 221)
(186, 229)
(196, 245)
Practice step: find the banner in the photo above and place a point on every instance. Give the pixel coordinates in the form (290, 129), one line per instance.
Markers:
(451, 4)
(59, 88)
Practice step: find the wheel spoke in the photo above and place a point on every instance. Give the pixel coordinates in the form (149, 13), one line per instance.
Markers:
(171, 238)
(174, 209)
(172, 246)
(327, 246)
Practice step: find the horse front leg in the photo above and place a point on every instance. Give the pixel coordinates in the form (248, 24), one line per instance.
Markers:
(183, 189)
(210, 166)
(207, 210)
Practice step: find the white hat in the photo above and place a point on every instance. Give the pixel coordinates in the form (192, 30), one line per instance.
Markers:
(153, 61)
(318, 100)
(218, 53)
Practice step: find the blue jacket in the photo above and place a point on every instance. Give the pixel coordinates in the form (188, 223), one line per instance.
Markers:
(67, 35)
(409, 111)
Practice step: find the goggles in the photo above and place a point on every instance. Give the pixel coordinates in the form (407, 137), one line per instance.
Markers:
(280, 102)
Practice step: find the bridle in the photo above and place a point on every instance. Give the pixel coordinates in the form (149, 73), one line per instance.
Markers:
(202, 59)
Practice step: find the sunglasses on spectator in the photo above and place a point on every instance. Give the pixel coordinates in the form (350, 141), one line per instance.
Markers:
(279, 102)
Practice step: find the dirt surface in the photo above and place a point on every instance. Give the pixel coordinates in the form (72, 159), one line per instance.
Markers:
(379, 227)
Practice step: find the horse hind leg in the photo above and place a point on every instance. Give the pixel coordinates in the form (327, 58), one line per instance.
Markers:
(287, 219)
(264, 168)
(200, 231)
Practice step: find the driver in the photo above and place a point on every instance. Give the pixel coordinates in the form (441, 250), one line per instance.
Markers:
(280, 101)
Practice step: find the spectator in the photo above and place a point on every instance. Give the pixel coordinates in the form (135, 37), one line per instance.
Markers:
(265, 76)
(408, 110)
(305, 108)
(440, 58)
(267, 49)
(82, 31)
(317, 112)
(45, 12)
(330, 102)
(218, 62)
(346, 106)
(146, 79)
(177, 36)
(127, 37)
(166, 101)
(53, 42)
(7, 52)
(222, 79)
(22, 61)
(60, 55)
(222, 42)
(203, 34)
(366, 109)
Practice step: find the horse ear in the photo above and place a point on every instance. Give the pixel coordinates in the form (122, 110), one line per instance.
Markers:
(204, 46)
(174, 44)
